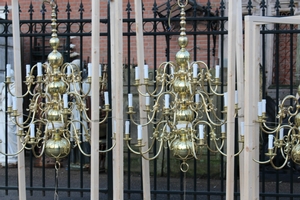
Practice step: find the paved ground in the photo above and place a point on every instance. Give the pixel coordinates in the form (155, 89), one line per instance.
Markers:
(215, 185)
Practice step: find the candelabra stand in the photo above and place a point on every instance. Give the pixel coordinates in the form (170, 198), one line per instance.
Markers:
(188, 117)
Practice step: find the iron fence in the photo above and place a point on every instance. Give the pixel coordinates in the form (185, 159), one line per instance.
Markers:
(207, 34)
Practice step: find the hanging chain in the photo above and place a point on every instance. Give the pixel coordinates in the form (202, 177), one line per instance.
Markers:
(57, 167)
(184, 186)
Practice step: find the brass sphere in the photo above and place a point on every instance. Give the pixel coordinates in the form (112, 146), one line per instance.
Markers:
(56, 87)
(54, 115)
(297, 120)
(183, 41)
(182, 150)
(181, 86)
(185, 115)
(57, 148)
(55, 59)
(182, 58)
(295, 154)
(54, 42)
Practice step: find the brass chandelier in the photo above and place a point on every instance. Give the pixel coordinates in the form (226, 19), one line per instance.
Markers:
(184, 115)
(50, 119)
(283, 136)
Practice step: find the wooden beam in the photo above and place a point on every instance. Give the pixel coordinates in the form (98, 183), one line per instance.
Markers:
(117, 96)
(251, 169)
(95, 100)
(18, 92)
(231, 99)
(143, 116)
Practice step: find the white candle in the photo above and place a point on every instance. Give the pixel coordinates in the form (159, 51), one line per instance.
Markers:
(136, 69)
(106, 99)
(217, 75)
(139, 132)
(129, 100)
(89, 69)
(14, 103)
(27, 70)
(225, 98)
(39, 68)
(270, 144)
(281, 133)
(21, 123)
(242, 128)
(9, 99)
(236, 97)
(32, 131)
(201, 134)
(8, 69)
(100, 70)
(147, 99)
(114, 126)
(146, 73)
(65, 97)
(127, 124)
(195, 70)
(197, 98)
(69, 70)
(263, 105)
(259, 109)
(167, 100)
(172, 71)
(223, 128)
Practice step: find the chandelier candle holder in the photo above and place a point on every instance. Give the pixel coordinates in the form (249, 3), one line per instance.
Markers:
(55, 92)
(183, 114)
(283, 137)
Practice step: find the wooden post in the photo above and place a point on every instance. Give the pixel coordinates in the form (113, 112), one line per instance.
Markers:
(117, 95)
(143, 116)
(231, 100)
(240, 85)
(95, 100)
(18, 92)
(251, 171)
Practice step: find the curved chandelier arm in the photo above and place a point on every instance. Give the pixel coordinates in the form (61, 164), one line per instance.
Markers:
(16, 153)
(113, 145)
(155, 156)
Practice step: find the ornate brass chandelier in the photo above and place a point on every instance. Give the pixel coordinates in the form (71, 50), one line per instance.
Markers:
(184, 115)
(283, 136)
(58, 91)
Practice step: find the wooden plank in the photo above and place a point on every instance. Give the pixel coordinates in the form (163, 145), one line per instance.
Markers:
(117, 96)
(18, 92)
(143, 116)
(231, 101)
(251, 173)
(95, 100)
(240, 85)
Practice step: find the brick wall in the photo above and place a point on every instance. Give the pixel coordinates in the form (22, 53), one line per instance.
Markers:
(148, 41)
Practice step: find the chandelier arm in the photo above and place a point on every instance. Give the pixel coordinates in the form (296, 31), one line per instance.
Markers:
(218, 149)
(157, 154)
(263, 126)
(147, 123)
(241, 150)
(81, 150)
(281, 166)
(261, 162)
(14, 154)
(114, 144)
(42, 151)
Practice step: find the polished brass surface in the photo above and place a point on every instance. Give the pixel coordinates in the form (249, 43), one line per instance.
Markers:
(176, 123)
(55, 96)
(285, 133)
